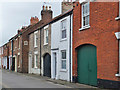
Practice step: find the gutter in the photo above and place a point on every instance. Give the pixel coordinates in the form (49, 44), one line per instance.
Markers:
(40, 52)
(70, 48)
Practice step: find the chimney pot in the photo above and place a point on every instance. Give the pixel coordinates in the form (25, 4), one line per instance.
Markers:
(49, 7)
(46, 7)
(43, 7)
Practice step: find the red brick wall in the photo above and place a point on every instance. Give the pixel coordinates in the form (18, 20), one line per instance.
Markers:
(101, 34)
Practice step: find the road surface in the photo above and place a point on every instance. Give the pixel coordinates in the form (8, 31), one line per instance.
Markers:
(14, 80)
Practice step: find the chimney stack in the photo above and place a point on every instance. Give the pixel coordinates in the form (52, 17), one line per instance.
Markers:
(46, 13)
(34, 20)
(67, 5)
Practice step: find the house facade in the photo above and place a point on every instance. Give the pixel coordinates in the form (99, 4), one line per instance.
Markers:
(95, 46)
(61, 47)
(5, 60)
(15, 51)
(40, 45)
(9, 56)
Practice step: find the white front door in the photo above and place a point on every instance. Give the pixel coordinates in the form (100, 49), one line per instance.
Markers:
(30, 63)
(15, 63)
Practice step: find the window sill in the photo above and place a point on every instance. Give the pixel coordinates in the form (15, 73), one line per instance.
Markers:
(45, 44)
(83, 28)
(63, 70)
(35, 67)
(117, 75)
(117, 18)
(63, 39)
(35, 46)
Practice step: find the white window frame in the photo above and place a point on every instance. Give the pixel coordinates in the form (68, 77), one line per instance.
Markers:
(11, 45)
(63, 60)
(2, 50)
(46, 34)
(118, 18)
(35, 39)
(19, 43)
(85, 15)
(35, 64)
(62, 29)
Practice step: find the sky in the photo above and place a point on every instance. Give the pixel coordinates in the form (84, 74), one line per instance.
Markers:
(17, 13)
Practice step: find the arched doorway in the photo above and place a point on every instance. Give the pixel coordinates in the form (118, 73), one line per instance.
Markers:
(47, 65)
(87, 64)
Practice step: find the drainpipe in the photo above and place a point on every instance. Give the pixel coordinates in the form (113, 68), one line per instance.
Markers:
(12, 54)
(117, 34)
(70, 48)
(40, 52)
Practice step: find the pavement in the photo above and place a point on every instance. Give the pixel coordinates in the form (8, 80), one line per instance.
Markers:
(36, 81)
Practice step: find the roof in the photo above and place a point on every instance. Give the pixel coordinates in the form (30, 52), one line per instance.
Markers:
(69, 12)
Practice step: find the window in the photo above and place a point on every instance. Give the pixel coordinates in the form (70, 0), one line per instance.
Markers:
(36, 61)
(63, 28)
(85, 15)
(19, 43)
(2, 50)
(25, 42)
(46, 36)
(35, 39)
(63, 59)
(118, 17)
(11, 45)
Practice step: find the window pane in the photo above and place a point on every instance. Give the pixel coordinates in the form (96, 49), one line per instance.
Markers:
(46, 39)
(63, 64)
(63, 34)
(63, 24)
(63, 54)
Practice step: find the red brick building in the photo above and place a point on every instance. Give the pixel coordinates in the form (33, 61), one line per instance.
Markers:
(20, 42)
(95, 47)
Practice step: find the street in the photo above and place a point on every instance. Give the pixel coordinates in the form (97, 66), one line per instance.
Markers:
(15, 80)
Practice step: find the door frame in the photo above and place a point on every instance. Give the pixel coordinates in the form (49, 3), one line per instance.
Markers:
(15, 56)
(44, 63)
(55, 64)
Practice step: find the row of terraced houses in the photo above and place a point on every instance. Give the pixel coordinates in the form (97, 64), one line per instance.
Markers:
(81, 45)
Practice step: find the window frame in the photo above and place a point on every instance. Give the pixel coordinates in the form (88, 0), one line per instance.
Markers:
(63, 60)
(46, 36)
(64, 29)
(118, 17)
(35, 39)
(86, 15)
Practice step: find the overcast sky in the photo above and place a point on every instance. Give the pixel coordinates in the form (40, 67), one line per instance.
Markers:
(13, 15)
